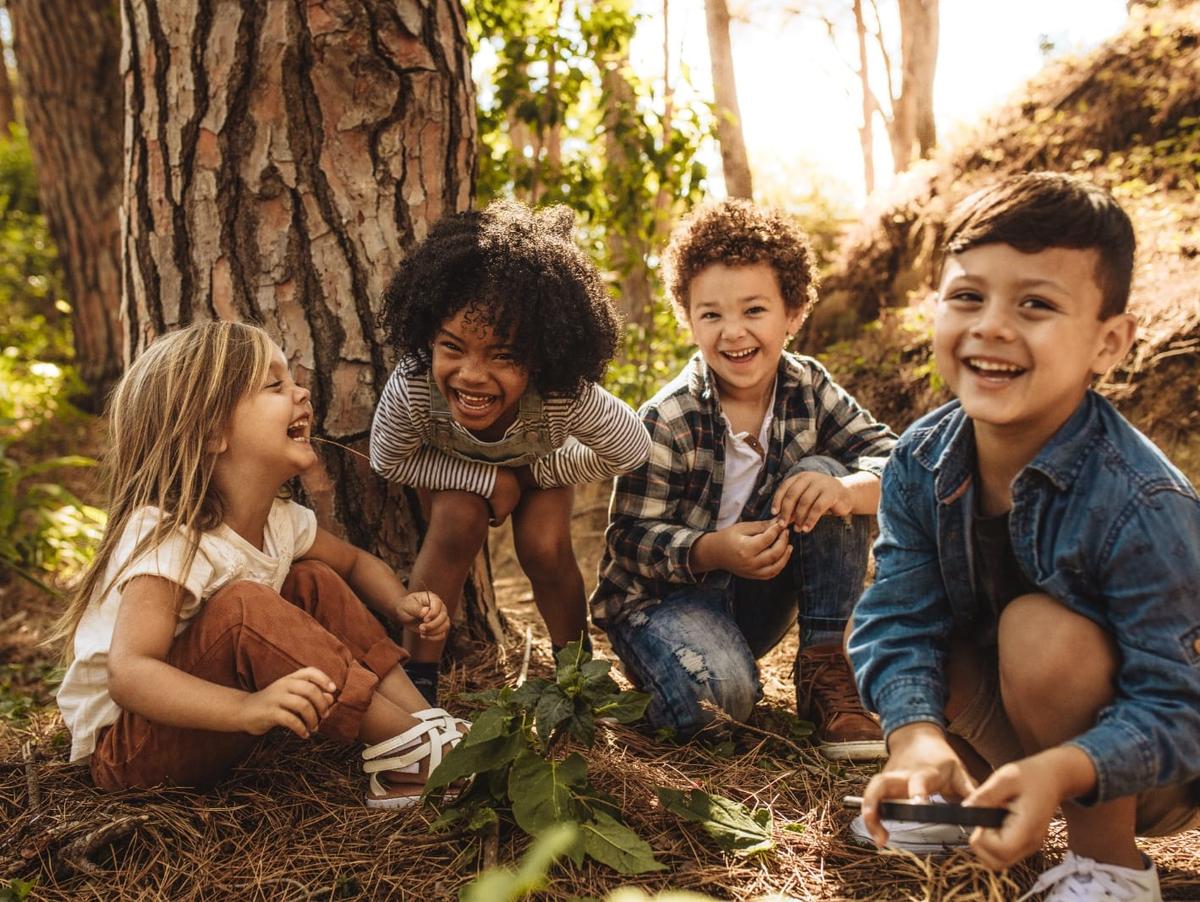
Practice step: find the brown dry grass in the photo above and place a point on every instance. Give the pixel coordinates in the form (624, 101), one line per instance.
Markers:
(289, 825)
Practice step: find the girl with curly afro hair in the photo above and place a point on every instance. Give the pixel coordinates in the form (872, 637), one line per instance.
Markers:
(504, 328)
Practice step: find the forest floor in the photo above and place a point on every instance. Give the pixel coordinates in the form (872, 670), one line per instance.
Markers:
(289, 825)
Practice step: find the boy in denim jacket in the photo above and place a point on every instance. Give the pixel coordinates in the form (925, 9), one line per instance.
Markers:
(1032, 637)
(754, 506)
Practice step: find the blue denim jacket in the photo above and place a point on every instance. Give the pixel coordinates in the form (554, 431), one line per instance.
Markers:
(1101, 521)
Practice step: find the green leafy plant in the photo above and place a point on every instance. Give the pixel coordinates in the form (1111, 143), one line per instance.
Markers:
(44, 528)
(16, 891)
(733, 826)
(513, 755)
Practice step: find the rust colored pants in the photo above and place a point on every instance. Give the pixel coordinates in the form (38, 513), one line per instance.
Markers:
(247, 636)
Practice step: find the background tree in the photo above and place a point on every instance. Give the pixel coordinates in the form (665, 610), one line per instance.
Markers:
(734, 160)
(908, 113)
(8, 109)
(627, 187)
(281, 156)
(67, 60)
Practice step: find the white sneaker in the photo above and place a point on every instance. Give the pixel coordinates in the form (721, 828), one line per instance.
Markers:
(1080, 879)
(921, 837)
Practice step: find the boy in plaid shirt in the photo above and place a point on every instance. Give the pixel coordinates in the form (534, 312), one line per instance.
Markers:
(755, 505)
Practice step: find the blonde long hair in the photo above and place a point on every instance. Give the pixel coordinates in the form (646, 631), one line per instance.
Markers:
(166, 417)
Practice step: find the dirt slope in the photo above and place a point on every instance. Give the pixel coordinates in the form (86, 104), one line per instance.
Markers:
(1126, 116)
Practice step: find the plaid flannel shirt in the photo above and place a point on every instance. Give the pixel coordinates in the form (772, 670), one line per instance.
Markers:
(661, 508)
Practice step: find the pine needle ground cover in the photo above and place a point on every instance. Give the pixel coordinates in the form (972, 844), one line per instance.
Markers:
(290, 824)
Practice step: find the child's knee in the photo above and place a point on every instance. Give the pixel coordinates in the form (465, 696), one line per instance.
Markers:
(243, 602)
(1046, 647)
(458, 521)
(708, 677)
(545, 555)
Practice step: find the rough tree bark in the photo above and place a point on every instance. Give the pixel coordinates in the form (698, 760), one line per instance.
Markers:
(67, 55)
(280, 156)
(729, 119)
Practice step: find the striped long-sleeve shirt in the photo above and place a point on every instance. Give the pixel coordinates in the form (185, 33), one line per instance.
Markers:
(608, 439)
(660, 509)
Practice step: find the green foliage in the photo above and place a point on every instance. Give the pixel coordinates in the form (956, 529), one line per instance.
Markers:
(733, 826)
(505, 885)
(652, 354)
(511, 753)
(17, 890)
(35, 334)
(500, 884)
(44, 528)
(26, 687)
(563, 118)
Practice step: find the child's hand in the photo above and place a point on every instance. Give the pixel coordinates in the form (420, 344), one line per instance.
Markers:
(505, 495)
(1031, 790)
(296, 702)
(805, 498)
(754, 549)
(921, 763)
(427, 613)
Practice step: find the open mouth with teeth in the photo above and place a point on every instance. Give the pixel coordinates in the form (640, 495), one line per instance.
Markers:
(298, 430)
(472, 402)
(741, 356)
(993, 370)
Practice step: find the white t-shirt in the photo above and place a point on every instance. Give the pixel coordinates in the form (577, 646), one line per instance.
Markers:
(223, 557)
(744, 457)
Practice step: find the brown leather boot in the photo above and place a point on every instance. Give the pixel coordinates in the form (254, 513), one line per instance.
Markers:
(826, 695)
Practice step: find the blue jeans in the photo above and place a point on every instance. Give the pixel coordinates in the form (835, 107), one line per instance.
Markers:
(700, 642)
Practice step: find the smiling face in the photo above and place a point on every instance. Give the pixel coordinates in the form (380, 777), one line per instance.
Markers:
(478, 375)
(1018, 336)
(741, 323)
(268, 434)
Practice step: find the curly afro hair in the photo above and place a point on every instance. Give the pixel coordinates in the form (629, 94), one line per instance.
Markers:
(735, 232)
(519, 272)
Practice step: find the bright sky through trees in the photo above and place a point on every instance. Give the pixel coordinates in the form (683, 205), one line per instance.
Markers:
(799, 98)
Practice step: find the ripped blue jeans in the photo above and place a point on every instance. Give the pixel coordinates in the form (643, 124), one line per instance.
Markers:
(700, 643)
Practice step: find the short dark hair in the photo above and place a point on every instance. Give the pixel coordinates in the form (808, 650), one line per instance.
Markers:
(736, 232)
(520, 273)
(1040, 210)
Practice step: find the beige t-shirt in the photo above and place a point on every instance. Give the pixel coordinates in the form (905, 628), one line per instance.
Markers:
(222, 558)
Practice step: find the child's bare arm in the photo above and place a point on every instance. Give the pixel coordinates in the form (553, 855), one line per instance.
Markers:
(380, 588)
(141, 681)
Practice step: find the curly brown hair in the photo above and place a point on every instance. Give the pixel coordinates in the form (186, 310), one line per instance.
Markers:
(736, 232)
(519, 272)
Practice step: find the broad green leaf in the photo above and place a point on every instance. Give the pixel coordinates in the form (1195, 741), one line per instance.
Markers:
(552, 709)
(625, 707)
(526, 695)
(731, 824)
(542, 791)
(491, 723)
(467, 759)
(611, 843)
(582, 723)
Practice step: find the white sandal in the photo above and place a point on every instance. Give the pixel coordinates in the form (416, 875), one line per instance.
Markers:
(437, 732)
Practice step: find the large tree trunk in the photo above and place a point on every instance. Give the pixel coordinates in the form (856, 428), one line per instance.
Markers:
(67, 55)
(912, 128)
(729, 118)
(281, 155)
(8, 109)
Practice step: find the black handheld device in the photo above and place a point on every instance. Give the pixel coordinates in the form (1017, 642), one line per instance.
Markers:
(935, 812)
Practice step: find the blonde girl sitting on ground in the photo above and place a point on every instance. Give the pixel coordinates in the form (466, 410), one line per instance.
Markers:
(217, 610)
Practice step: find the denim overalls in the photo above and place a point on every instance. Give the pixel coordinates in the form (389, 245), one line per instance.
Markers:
(528, 439)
